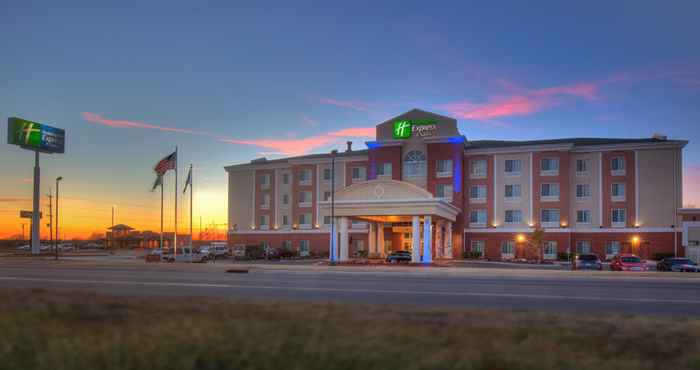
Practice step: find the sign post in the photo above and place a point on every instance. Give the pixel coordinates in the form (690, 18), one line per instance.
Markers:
(38, 138)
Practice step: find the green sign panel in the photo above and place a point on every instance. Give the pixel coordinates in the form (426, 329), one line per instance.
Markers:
(35, 136)
(405, 129)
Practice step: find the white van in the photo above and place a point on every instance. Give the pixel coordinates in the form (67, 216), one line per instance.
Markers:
(217, 249)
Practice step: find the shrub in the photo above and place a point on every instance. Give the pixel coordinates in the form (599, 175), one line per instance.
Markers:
(563, 256)
(660, 256)
(471, 255)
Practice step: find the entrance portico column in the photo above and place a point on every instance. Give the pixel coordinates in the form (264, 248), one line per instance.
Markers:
(439, 239)
(380, 239)
(415, 240)
(344, 240)
(448, 247)
(427, 239)
(372, 239)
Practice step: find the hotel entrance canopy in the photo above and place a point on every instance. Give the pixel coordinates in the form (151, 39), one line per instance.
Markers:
(388, 201)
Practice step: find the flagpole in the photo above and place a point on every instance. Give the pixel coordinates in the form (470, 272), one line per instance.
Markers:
(191, 199)
(175, 234)
(161, 212)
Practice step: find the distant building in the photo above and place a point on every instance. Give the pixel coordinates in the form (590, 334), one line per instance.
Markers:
(422, 186)
(123, 236)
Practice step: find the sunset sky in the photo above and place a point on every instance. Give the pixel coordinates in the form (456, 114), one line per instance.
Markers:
(230, 81)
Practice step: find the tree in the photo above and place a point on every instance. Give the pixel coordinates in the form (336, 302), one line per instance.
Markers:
(535, 244)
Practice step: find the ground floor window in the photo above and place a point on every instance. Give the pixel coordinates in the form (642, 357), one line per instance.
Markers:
(583, 246)
(507, 249)
(359, 245)
(478, 247)
(304, 248)
(287, 245)
(550, 249)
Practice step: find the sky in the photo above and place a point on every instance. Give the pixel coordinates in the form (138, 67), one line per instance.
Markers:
(230, 81)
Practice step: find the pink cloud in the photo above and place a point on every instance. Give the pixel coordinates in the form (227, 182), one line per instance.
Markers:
(96, 118)
(691, 185)
(350, 104)
(305, 145)
(355, 132)
(520, 102)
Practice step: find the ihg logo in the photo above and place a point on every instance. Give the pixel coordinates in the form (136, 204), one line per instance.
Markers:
(402, 129)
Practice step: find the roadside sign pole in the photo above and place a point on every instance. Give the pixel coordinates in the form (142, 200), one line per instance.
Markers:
(36, 223)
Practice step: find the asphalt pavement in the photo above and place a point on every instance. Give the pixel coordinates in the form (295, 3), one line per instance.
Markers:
(558, 291)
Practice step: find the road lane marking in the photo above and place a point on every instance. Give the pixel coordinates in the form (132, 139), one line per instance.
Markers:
(350, 290)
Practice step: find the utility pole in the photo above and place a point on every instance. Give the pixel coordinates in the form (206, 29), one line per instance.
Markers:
(58, 179)
(23, 239)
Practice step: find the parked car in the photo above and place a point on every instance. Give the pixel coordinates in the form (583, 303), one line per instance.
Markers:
(398, 257)
(588, 261)
(185, 254)
(65, 247)
(628, 262)
(24, 247)
(216, 249)
(677, 264)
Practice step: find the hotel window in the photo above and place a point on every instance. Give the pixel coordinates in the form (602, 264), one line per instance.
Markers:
(612, 249)
(549, 191)
(444, 168)
(478, 169)
(549, 166)
(582, 167)
(583, 216)
(285, 178)
(327, 174)
(359, 173)
(264, 222)
(514, 216)
(265, 201)
(583, 246)
(285, 199)
(513, 191)
(327, 220)
(478, 246)
(384, 169)
(305, 220)
(285, 220)
(305, 199)
(477, 217)
(326, 196)
(265, 181)
(287, 245)
(304, 248)
(444, 191)
(619, 217)
(550, 249)
(513, 167)
(618, 191)
(507, 249)
(414, 164)
(617, 166)
(477, 194)
(583, 191)
(305, 177)
(549, 217)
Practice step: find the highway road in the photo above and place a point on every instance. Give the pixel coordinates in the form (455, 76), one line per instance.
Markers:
(558, 291)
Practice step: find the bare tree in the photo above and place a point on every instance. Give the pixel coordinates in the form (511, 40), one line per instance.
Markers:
(535, 244)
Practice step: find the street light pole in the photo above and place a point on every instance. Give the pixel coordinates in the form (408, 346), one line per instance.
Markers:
(58, 179)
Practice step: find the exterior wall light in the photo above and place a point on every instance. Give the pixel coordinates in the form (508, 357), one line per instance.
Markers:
(520, 238)
(531, 224)
(316, 226)
(563, 224)
(635, 240)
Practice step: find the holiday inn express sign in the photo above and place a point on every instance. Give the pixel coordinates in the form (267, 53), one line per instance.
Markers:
(405, 129)
(35, 136)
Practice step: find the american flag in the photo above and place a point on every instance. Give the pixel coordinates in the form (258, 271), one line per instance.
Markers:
(166, 164)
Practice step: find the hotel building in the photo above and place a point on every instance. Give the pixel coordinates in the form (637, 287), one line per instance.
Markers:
(423, 187)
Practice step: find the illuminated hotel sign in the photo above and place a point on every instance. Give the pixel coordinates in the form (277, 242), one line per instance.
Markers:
(405, 129)
(35, 136)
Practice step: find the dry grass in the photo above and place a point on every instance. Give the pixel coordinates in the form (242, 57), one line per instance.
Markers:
(42, 330)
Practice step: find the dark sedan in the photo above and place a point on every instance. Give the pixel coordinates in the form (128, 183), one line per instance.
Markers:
(677, 264)
(588, 261)
(398, 257)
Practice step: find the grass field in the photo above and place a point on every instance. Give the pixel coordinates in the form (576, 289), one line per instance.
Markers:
(44, 330)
